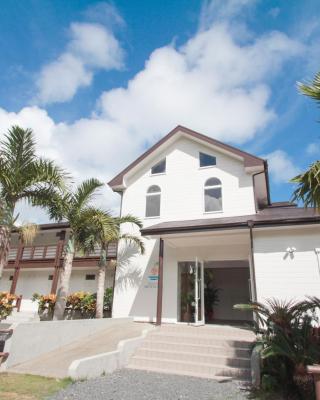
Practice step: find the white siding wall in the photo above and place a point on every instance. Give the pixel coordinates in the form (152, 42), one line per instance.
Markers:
(182, 198)
(182, 185)
(285, 277)
(136, 295)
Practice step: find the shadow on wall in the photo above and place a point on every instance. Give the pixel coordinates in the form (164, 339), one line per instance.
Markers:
(145, 302)
(128, 273)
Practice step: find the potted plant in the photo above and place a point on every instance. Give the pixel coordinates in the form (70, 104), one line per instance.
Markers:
(211, 299)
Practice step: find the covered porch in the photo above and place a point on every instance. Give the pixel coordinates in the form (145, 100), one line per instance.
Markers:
(201, 275)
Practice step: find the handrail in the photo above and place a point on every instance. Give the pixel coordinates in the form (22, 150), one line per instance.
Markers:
(45, 252)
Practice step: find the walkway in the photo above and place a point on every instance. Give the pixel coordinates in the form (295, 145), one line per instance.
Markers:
(56, 363)
(141, 385)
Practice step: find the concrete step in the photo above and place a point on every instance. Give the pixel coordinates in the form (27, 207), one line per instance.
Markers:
(201, 375)
(196, 348)
(212, 359)
(188, 339)
(213, 331)
(189, 367)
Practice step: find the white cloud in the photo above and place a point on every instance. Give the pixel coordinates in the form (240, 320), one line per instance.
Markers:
(281, 167)
(313, 149)
(274, 12)
(212, 84)
(214, 10)
(91, 47)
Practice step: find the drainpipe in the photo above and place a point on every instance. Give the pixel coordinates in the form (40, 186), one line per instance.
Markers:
(252, 266)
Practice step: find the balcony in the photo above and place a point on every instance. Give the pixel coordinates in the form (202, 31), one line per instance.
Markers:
(48, 252)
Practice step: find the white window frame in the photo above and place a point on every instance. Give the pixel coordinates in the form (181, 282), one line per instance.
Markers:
(204, 195)
(153, 194)
(159, 173)
(207, 166)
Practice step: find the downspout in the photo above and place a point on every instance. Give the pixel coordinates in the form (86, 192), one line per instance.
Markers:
(252, 266)
(115, 268)
(265, 171)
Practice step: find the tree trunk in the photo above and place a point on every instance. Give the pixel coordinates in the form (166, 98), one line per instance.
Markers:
(64, 282)
(101, 281)
(5, 236)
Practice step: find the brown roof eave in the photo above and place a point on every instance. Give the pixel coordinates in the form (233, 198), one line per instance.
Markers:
(226, 226)
(249, 159)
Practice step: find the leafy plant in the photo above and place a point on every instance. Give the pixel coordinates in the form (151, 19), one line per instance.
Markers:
(289, 341)
(6, 304)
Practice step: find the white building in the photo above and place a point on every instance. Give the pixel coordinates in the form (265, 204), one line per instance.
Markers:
(209, 224)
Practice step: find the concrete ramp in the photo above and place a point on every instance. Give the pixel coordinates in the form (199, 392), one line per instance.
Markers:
(56, 362)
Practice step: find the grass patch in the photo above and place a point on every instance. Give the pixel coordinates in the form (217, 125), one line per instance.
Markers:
(29, 387)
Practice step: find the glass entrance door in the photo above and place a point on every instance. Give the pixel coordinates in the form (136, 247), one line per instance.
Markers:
(199, 293)
(191, 292)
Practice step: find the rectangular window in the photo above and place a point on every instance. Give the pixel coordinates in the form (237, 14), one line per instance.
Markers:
(11, 278)
(206, 160)
(153, 205)
(213, 199)
(50, 278)
(159, 168)
(90, 277)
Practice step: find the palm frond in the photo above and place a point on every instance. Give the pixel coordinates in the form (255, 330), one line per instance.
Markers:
(308, 189)
(129, 219)
(28, 232)
(312, 88)
(85, 192)
(135, 240)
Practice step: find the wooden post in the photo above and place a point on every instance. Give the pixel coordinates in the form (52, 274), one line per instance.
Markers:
(57, 261)
(160, 284)
(17, 266)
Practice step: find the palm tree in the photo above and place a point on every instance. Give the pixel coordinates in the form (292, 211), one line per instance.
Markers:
(100, 229)
(23, 176)
(308, 189)
(73, 207)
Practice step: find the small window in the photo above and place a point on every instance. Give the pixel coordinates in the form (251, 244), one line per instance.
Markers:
(153, 198)
(212, 195)
(11, 278)
(50, 278)
(206, 160)
(90, 277)
(159, 168)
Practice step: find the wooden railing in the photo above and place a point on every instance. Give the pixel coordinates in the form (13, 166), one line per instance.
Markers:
(49, 252)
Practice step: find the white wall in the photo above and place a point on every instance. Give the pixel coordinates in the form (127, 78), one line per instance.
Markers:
(182, 197)
(136, 293)
(279, 275)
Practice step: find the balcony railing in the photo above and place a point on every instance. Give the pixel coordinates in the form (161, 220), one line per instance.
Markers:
(48, 252)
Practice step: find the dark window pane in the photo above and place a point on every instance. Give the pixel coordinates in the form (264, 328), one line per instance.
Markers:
(213, 182)
(159, 168)
(154, 189)
(50, 278)
(213, 199)
(90, 277)
(153, 206)
(206, 160)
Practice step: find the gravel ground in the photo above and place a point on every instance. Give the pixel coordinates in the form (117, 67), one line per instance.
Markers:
(129, 384)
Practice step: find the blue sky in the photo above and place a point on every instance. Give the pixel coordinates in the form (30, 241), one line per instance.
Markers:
(95, 79)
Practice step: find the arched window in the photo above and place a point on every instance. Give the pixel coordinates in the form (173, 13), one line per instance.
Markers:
(212, 195)
(153, 201)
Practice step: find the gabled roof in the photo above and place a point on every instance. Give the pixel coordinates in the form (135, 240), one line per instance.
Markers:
(249, 159)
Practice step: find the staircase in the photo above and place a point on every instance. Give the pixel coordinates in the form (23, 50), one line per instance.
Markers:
(22, 316)
(214, 352)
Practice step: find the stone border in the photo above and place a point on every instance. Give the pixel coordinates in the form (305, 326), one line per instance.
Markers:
(95, 366)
